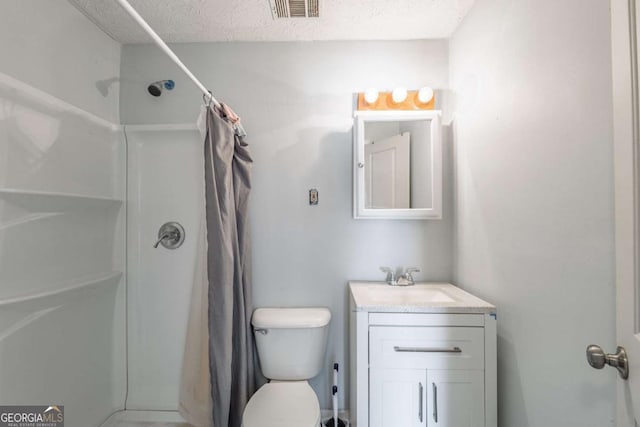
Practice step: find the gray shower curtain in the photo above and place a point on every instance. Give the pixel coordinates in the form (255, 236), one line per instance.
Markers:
(214, 392)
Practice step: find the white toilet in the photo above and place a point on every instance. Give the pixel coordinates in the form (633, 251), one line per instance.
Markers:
(291, 344)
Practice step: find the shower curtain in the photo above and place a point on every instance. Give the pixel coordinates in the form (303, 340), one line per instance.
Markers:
(218, 375)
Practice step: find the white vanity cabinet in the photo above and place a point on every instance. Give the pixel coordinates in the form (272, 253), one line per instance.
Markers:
(421, 356)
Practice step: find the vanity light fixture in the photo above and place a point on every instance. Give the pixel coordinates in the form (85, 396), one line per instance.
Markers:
(399, 99)
(398, 95)
(371, 95)
(425, 94)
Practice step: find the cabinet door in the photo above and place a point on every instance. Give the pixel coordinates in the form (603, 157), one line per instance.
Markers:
(397, 397)
(455, 398)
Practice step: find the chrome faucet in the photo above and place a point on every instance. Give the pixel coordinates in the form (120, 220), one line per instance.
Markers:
(171, 235)
(406, 278)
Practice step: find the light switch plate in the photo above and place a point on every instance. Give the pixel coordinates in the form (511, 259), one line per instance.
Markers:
(313, 196)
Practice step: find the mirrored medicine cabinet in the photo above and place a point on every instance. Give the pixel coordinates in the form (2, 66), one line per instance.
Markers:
(398, 165)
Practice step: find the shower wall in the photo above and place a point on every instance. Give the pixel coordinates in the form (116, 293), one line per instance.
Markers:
(52, 46)
(61, 256)
(62, 318)
(165, 184)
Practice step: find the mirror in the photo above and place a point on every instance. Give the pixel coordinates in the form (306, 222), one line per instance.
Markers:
(398, 165)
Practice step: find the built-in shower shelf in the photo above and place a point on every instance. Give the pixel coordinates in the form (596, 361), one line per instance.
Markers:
(49, 201)
(59, 289)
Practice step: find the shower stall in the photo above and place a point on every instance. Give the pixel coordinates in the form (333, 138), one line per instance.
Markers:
(92, 316)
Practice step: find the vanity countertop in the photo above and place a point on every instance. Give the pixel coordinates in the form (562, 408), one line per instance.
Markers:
(423, 297)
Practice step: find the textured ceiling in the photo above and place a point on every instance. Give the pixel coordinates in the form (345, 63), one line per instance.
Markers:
(251, 20)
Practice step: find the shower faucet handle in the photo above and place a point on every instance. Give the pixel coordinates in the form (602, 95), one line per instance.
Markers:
(166, 235)
(171, 235)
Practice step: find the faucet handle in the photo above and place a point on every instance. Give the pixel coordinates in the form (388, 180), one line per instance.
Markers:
(170, 235)
(409, 272)
(166, 235)
(391, 275)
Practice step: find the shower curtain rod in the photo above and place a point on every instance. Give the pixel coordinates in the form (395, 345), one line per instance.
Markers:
(162, 45)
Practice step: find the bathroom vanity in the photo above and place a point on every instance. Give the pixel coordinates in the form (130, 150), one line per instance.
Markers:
(422, 355)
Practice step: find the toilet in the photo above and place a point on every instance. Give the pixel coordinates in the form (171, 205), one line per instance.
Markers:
(291, 345)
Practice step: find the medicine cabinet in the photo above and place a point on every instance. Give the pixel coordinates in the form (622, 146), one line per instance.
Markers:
(398, 165)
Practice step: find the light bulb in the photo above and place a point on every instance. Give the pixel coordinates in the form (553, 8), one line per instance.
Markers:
(425, 94)
(371, 95)
(399, 94)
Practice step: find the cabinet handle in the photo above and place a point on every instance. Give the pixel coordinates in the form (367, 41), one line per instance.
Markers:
(435, 402)
(420, 402)
(427, 349)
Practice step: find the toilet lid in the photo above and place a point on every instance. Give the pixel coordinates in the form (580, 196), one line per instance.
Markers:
(283, 404)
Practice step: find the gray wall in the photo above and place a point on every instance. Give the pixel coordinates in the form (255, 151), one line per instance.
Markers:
(296, 102)
(53, 47)
(534, 199)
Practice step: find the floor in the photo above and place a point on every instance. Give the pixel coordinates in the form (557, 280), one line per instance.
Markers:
(149, 424)
(145, 419)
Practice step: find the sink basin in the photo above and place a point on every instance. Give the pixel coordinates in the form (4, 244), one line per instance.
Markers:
(416, 295)
(420, 298)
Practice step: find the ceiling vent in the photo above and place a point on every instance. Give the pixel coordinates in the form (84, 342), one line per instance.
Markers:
(294, 8)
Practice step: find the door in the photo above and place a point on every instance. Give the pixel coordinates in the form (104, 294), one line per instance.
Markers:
(624, 19)
(455, 398)
(397, 397)
(387, 173)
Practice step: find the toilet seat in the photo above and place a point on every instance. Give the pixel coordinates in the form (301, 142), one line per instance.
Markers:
(283, 404)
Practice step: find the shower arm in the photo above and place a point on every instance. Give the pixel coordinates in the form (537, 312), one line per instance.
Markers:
(166, 49)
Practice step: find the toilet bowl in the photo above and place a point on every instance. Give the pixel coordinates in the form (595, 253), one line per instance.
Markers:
(291, 344)
(283, 404)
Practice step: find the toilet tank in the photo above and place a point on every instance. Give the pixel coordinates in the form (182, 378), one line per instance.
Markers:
(291, 342)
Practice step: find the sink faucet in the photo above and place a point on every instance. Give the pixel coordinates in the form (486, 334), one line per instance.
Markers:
(405, 279)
